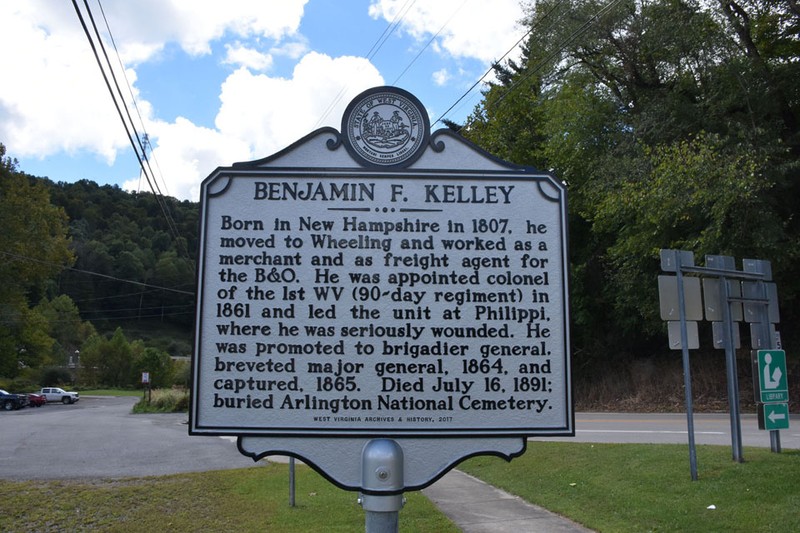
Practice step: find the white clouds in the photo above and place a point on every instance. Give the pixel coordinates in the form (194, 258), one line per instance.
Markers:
(441, 77)
(45, 93)
(186, 154)
(195, 24)
(53, 99)
(259, 115)
(247, 57)
(273, 112)
(478, 29)
(294, 50)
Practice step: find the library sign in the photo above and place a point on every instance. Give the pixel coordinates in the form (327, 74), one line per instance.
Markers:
(382, 281)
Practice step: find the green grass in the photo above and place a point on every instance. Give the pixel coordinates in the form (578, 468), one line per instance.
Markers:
(607, 487)
(637, 488)
(253, 499)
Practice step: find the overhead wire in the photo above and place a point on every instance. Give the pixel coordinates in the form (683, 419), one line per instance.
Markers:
(376, 46)
(97, 274)
(145, 141)
(560, 48)
(155, 188)
(577, 33)
(494, 63)
(434, 36)
(129, 125)
(110, 311)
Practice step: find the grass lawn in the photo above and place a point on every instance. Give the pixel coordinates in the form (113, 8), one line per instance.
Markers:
(607, 487)
(253, 499)
(642, 487)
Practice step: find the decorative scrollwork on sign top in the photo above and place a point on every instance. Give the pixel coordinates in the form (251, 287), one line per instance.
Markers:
(335, 143)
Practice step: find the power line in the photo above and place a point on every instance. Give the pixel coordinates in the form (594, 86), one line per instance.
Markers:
(393, 25)
(533, 70)
(144, 140)
(97, 274)
(129, 125)
(154, 187)
(434, 36)
(489, 70)
(577, 33)
(376, 46)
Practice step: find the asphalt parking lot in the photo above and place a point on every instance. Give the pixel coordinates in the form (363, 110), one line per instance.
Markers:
(98, 437)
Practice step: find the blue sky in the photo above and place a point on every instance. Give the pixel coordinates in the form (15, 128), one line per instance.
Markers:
(213, 83)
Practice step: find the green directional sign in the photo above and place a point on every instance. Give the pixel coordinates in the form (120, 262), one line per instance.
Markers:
(773, 416)
(771, 383)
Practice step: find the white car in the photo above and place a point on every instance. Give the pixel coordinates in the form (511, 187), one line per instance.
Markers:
(54, 394)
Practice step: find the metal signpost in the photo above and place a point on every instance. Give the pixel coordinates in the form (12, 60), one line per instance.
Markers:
(730, 296)
(673, 261)
(382, 303)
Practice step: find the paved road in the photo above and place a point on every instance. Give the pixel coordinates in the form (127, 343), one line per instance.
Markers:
(672, 428)
(98, 437)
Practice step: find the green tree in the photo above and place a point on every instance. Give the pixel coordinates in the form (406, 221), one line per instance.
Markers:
(157, 363)
(674, 124)
(33, 249)
(65, 326)
(135, 243)
(107, 361)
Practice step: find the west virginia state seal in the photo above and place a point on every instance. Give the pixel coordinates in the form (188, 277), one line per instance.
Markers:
(385, 127)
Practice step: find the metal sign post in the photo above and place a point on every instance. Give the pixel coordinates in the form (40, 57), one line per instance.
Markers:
(674, 260)
(726, 263)
(382, 485)
(730, 296)
(762, 312)
(292, 482)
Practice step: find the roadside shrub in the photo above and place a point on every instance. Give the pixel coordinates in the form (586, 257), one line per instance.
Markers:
(54, 376)
(182, 376)
(164, 401)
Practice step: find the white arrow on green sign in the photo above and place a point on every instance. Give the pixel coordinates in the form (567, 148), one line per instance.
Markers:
(773, 416)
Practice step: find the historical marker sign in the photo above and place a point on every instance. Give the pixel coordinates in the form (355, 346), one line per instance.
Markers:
(373, 295)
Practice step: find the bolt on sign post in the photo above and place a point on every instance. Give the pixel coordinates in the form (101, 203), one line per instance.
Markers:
(382, 302)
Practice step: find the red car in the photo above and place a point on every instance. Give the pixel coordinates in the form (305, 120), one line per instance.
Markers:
(36, 400)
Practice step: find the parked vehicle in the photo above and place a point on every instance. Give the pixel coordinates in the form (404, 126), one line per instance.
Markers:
(54, 394)
(36, 400)
(9, 401)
